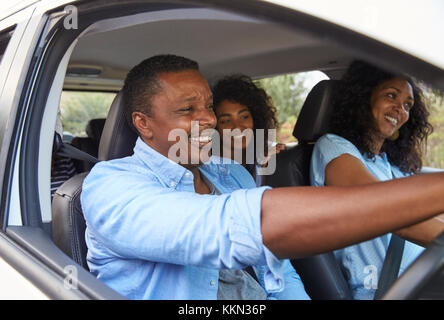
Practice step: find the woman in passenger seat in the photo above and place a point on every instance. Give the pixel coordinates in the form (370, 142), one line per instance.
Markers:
(378, 127)
(240, 104)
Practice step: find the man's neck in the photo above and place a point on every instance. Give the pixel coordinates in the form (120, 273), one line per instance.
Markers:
(200, 185)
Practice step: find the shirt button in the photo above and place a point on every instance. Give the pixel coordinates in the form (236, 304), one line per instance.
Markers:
(172, 184)
(187, 174)
(212, 283)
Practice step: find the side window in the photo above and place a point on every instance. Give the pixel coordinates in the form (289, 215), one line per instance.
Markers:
(288, 93)
(78, 108)
(5, 36)
(434, 155)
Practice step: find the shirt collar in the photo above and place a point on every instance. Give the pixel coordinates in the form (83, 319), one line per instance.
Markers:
(165, 169)
(171, 172)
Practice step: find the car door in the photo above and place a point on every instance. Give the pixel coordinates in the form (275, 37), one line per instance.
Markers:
(12, 29)
(32, 267)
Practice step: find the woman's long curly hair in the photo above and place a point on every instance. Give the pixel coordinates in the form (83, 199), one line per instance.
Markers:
(241, 89)
(352, 117)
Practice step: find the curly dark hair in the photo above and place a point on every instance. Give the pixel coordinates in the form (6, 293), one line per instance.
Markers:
(241, 89)
(352, 117)
(141, 82)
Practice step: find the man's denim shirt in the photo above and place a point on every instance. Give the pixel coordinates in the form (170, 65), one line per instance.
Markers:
(150, 236)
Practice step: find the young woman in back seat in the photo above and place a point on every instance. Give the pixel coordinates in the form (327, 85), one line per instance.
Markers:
(240, 104)
(378, 126)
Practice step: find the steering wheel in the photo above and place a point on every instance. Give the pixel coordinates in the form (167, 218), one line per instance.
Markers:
(424, 278)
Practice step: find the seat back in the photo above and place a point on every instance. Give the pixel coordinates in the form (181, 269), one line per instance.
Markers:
(68, 223)
(321, 274)
(118, 139)
(293, 164)
(89, 144)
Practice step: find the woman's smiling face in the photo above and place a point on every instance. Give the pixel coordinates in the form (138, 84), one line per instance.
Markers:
(230, 116)
(390, 103)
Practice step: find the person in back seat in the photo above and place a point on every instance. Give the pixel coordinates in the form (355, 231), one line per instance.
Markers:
(162, 227)
(240, 104)
(378, 124)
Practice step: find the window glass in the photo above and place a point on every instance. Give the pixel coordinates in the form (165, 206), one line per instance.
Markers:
(288, 93)
(434, 156)
(78, 107)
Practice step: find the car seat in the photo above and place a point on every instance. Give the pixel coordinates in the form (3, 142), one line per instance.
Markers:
(321, 274)
(68, 223)
(89, 144)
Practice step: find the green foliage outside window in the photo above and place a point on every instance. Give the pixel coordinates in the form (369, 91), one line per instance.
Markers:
(288, 92)
(77, 108)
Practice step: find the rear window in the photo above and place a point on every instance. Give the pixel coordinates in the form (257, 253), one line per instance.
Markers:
(288, 93)
(77, 108)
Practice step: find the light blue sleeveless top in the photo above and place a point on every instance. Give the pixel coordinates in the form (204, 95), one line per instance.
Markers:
(362, 262)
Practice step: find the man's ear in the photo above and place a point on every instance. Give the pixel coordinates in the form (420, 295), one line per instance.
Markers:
(142, 122)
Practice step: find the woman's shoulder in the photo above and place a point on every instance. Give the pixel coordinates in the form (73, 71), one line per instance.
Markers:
(333, 143)
(332, 138)
(328, 148)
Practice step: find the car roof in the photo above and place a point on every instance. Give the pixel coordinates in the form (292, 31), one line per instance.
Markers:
(222, 43)
(412, 26)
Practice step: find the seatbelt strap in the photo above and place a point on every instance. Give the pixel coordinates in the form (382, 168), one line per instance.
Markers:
(390, 268)
(70, 151)
(66, 150)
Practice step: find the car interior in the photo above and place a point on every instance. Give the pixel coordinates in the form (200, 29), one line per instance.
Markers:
(222, 42)
(240, 46)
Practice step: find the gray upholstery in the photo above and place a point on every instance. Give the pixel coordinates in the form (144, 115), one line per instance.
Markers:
(68, 224)
(118, 139)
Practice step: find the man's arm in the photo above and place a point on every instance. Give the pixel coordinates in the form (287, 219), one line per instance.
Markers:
(298, 222)
(347, 170)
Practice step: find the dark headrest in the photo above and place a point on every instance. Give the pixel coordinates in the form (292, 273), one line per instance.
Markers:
(94, 129)
(314, 117)
(118, 139)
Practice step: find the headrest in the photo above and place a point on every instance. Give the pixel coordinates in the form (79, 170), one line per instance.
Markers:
(314, 117)
(118, 139)
(94, 129)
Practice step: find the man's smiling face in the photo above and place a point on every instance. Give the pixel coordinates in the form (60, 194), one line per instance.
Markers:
(184, 99)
